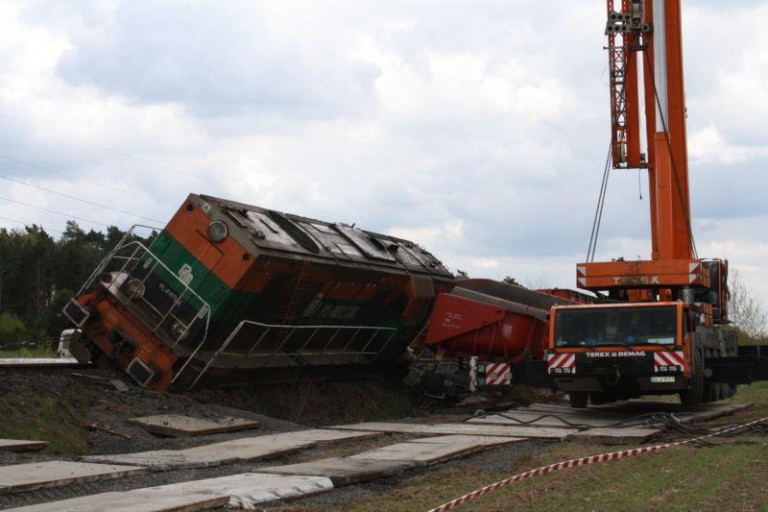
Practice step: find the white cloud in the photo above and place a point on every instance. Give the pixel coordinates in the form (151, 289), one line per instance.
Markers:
(477, 129)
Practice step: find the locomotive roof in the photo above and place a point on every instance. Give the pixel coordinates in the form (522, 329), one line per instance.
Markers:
(270, 230)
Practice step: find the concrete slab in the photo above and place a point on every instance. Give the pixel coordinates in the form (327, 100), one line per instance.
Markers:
(250, 489)
(702, 412)
(209, 455)
(132, 501)
(391, 459)
(543, 419)
(632, 408)
(419, 453)
(463, 438)
(173, 425)
(330, 435)
(19, 445)
(462, 428)
(567, 410)
(344, 470)
(37, 475)
(227, 452)
(237, 491)
(627, 435)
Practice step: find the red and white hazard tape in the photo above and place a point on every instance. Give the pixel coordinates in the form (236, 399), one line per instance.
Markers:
(594, 459)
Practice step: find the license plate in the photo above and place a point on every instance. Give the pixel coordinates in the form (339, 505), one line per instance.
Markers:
(662, 380)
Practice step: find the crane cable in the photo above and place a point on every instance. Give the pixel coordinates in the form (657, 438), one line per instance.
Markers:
(599, 209)
(603, 190)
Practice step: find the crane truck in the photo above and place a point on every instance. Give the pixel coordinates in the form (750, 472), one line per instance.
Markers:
(658, 328)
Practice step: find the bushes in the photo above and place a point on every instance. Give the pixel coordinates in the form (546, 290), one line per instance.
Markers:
(12, 330)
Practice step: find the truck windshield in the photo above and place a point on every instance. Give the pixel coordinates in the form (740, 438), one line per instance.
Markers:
(655, 325)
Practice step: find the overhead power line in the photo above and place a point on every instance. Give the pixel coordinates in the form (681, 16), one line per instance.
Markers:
(98, 205)
(103, 148)
(65, 175)
(28, 224)
(54, 211)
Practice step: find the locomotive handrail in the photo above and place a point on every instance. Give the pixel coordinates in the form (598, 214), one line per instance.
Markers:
(269, 327)
(101, 266)
(133, 256)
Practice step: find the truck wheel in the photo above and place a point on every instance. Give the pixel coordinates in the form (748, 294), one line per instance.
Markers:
(727, 390)
(694, 395)
(711, 392)
(578, 399)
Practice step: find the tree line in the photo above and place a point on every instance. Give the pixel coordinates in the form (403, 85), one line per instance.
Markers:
(40, 274)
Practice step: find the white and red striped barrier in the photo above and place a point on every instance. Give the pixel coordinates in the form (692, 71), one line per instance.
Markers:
(557, 362)
(668, 361)
(583, 461)
(498, 374)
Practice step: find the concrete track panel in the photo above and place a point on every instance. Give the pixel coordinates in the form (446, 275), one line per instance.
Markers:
(173, 425)
(38, 475)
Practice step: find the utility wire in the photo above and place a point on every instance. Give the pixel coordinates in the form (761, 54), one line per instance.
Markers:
(98, 184)
(104, 148)
(54, 211)
(79, 199)
(27, 224)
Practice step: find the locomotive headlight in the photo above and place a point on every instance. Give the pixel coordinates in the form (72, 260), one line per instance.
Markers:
(217, 231)
(179, 331)
(134, 289)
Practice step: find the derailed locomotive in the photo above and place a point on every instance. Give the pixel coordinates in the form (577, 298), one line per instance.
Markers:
(229, 292)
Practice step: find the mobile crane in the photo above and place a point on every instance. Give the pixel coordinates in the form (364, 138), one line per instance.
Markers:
(658, 331)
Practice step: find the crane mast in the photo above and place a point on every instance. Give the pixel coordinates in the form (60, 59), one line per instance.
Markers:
(645, 47)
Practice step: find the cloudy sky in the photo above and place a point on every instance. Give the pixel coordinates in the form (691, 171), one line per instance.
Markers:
(476, 128)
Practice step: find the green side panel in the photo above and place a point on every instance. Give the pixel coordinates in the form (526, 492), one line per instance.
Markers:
(204, 282)
(228, 305)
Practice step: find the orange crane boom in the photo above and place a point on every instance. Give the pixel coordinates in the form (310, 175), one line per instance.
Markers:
(646, 36)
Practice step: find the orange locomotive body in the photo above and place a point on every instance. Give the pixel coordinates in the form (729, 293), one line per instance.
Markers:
(231, 293)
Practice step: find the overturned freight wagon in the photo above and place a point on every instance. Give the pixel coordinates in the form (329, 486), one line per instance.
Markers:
(488, 333)
(230, 293)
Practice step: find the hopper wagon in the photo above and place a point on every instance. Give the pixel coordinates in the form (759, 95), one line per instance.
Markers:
(487, 333)
(229, 293)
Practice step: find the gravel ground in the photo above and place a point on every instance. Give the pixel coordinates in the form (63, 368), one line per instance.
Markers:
(100, 403)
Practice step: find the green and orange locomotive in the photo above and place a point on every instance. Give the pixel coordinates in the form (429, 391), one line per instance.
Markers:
(228, 293)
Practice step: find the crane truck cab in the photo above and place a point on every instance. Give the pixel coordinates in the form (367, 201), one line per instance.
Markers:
(607, 352)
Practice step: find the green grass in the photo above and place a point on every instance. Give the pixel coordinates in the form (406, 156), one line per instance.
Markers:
(44, 418)
(28, 352)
